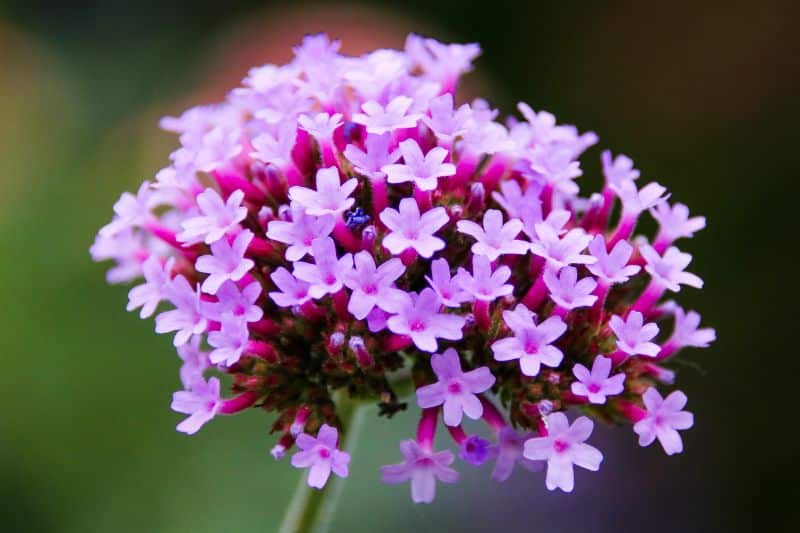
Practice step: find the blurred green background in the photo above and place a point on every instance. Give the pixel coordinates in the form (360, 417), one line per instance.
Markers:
(702, 96)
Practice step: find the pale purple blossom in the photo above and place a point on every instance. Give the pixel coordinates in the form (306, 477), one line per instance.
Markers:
(409, 229)
(424, 170)
(326, 275)
(531, 343)
(321, 456)
(443, 62)
(635, 201)
(455, 389)
(669, 268)
(494, 238)
(558, 168)
(525, 206)
(226, 262)
(567, 291)
(447, 288)
(186, 319)
(665, 416)
(444, 121)
(331, 197)
(379, 119)
(276, 147)
(675, 222)
(508, 452)
(687, 331)
(195, 361)
(612, 267)
(420, 319)
(217, 217)
(423, 468)
(320, 126)
(373, 286)
(291, 291)
(131, 210)
(563, 447)
(229, 342)
(201, 402)
(149, 294)
(561, 251)
(483, 283)
(377, 154)
(597, 383)
(633, 335)
(300, 231)
(619, 169)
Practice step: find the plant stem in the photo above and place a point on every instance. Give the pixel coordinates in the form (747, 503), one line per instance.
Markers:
(312, 510)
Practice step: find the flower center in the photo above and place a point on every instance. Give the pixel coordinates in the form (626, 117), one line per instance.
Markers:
(330, 279)
(560, 446)
(417, 325)
(324, 453)
(454, 387)
(531, 347)
(593, 388)
(370, 289)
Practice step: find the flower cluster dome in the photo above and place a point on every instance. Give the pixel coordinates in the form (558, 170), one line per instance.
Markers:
(340, 226)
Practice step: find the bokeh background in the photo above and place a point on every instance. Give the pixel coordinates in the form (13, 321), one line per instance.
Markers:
(702, 95)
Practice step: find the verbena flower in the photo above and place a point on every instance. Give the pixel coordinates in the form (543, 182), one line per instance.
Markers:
(338, 223)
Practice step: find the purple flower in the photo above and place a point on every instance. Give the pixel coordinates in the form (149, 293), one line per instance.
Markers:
(407, 229)
(195, 361)
(419, 318)
(455, 389)
(483, 284)
(320, 126)
(130, 211)
(229, 342)
(423, 468)
(475, 450)
(509, 452)
(634, 336)
(675, 222)
(321, 456)
(226, 262)
(635, 201)
(291, 291)
(326, 275)
(525, 206)
(378, 119)
(232, 301)
(618, 170)
(148, 295)
(531, 343)
(566, 291)
(378, 154)
(688, 332)
(561, 251)
(664, 417)
(597, 384)
(276, 148)
(422, 169)
(668, 269)
(331, 197)
(217, 219)
(187, 318)
(447, 288)
(558, 168)
(563, 447)
(495, 238)
(373, 286)
(201, 403)
(443, 62)
(612, 267)
(300, 231)
(444, 122)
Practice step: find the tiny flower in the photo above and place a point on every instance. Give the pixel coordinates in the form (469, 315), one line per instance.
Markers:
(424, 170)
(612, 267)
(635, 201)
(634, 336)
(377, 155)
(187, 318)
(320, 126)
(495, 238)
(423, 468)
(447, 288)
(407, 229)
(201, 403)
(688, 332)
(331, 197)
(232, 301)
(217, 219)
(566, 291)
(276, 148)
(300, 232)
(373, 286)
(148, 295)
(483, 284)
(668, 269)
(674, 222)
(229, 342)
(558, 168)
(618, 169)
(475, 450)
(525, 206)
(531, 343)
(445, 122)
(597, 384)
(131, 210)
(378, 119)
(509, 452)
(664, 417)
(419, 318)
(291, 291)
(563, 447)
(455, 389)
(195, 362)
(561, 251)
(326, 275)
(321, 456)
(226, 262)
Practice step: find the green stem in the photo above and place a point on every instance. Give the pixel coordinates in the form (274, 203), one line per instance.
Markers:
(312, 510)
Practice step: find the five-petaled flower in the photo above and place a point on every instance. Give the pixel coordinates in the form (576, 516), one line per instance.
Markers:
(321, 456)
(664, 417)
(409, 229)
(531, 343)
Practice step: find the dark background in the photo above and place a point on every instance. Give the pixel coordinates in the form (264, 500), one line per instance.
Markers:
(703, 97)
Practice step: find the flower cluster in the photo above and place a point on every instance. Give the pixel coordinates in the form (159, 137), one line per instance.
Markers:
(340, 224)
